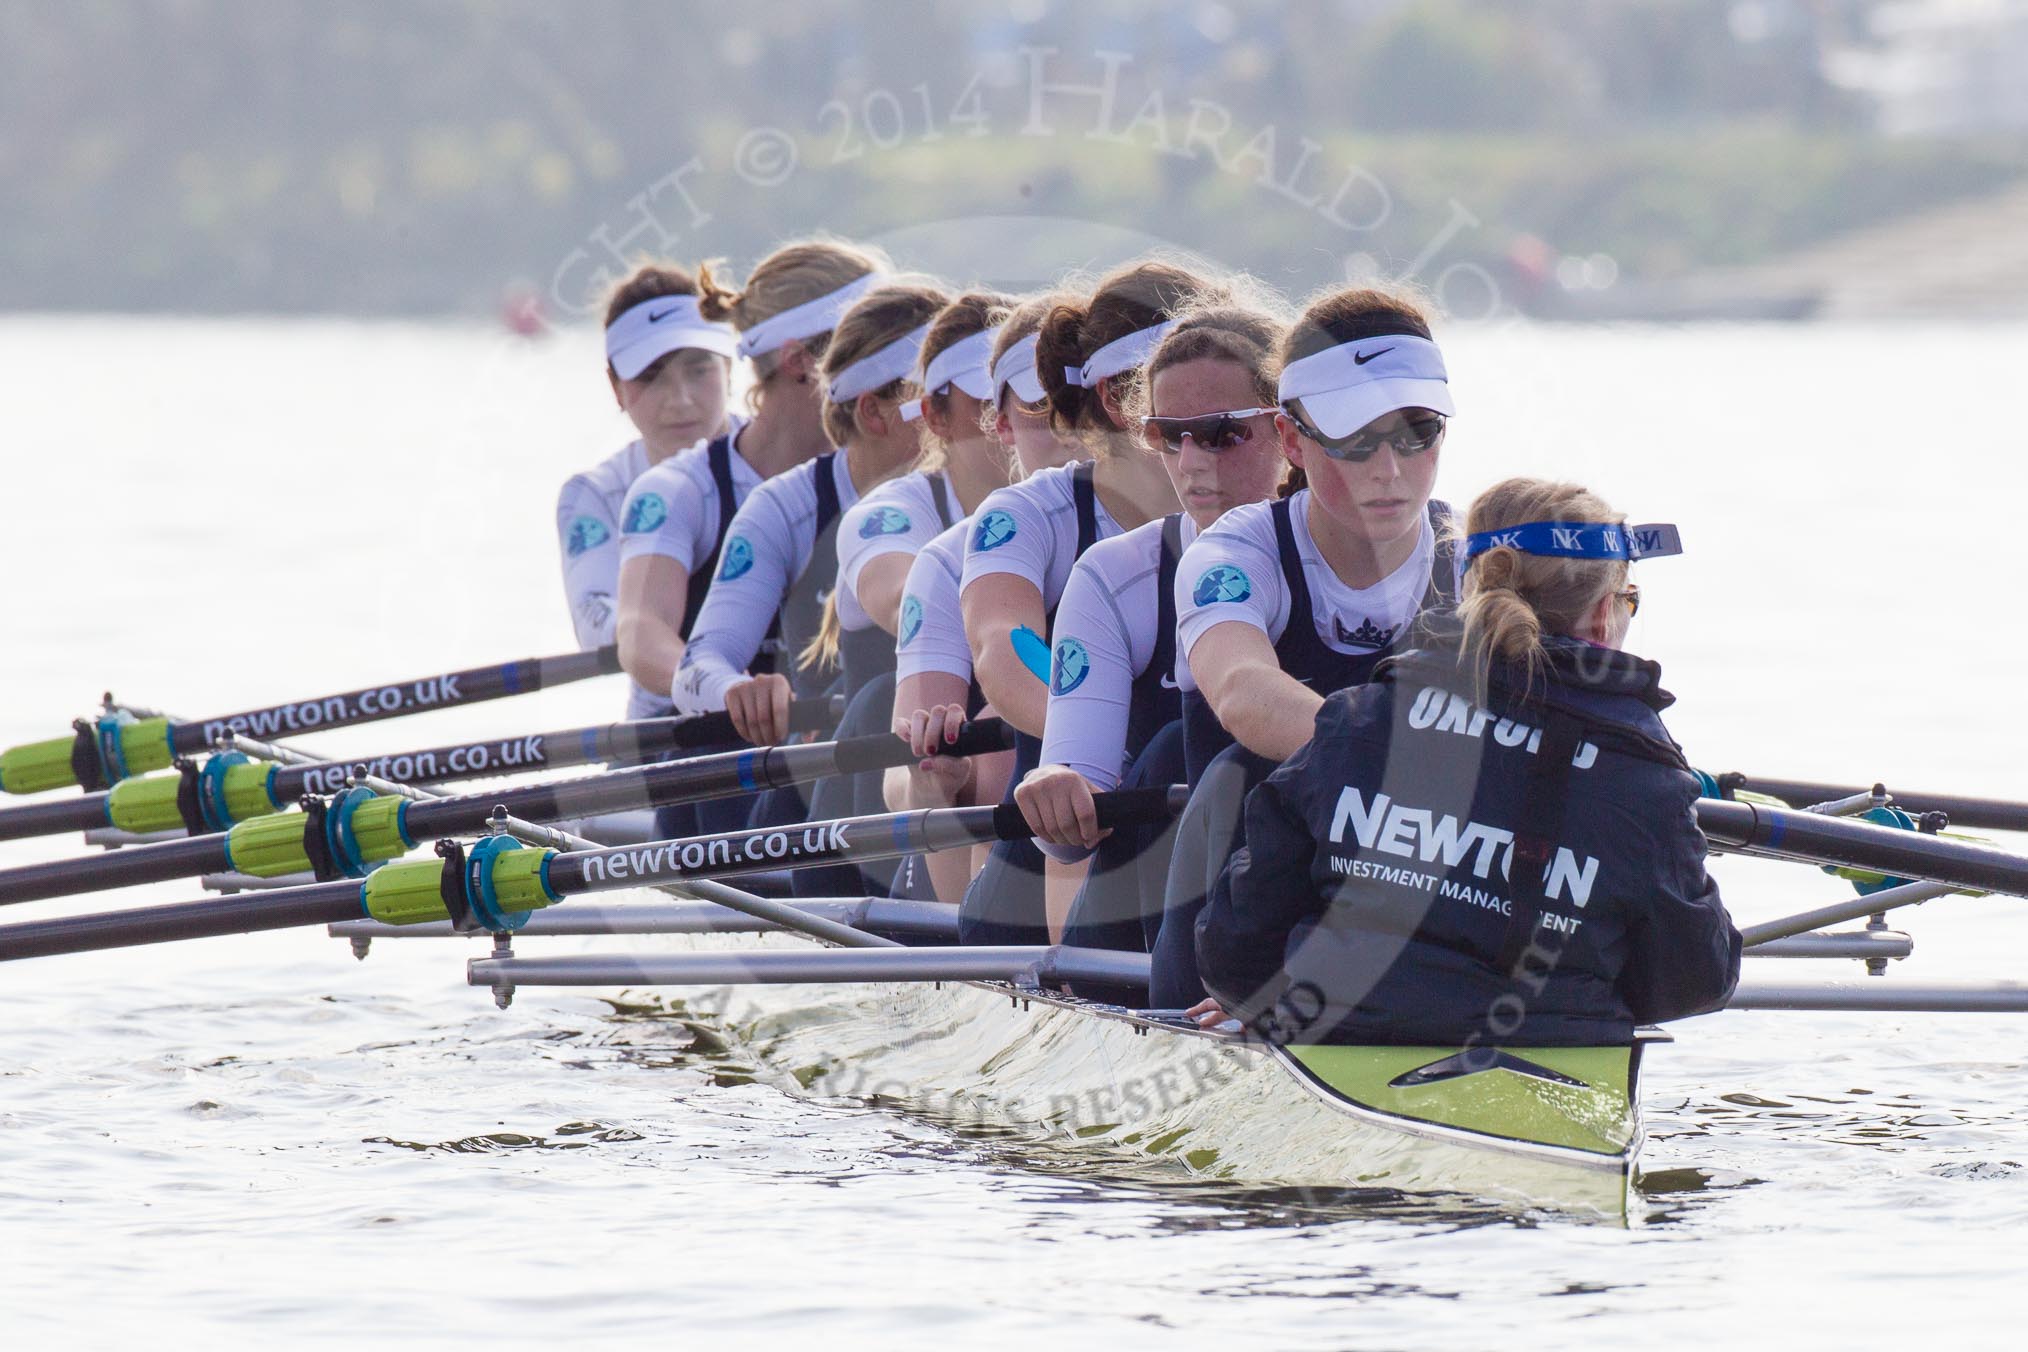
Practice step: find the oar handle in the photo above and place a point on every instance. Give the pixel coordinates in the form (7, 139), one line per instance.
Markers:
(1121, 807)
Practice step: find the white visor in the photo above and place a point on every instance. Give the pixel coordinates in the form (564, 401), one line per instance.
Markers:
(1016, 370)
(647, 332)
(807, 320)
(1121, 354)
(882, 366)
(1343, 388)
(963, 364)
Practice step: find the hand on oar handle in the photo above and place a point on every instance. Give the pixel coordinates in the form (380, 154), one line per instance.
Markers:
(935, 780)
(1058, 805)
(759, 707)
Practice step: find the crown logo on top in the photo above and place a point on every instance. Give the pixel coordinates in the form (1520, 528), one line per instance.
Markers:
(1367, 635)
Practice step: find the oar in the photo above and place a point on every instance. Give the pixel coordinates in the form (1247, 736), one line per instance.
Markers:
(498, 881)
(228, 789)
(1782, 833)
(341, 836)
(1988, 814)
(102, 754)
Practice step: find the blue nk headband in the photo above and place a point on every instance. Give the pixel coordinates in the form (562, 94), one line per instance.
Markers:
(1579, 540)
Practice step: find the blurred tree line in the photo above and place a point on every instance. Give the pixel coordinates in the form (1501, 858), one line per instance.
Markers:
(423, 156)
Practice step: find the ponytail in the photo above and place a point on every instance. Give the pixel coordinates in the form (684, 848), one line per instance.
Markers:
(1511, 600)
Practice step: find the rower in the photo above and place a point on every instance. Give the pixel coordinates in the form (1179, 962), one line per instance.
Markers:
(1281, 603)
(1114, 712)
(673, 531)
(958, 465)
(1025, 537)
(779, 556)
(1494, 842)
(934, 692)
(880, 536)
(669, 367)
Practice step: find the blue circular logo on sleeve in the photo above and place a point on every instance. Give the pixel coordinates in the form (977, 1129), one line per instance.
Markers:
(996, 528)
(645, 513)
(911, 619)
(1073, 664)
(883, 521)
(1222, 582)
(586, 532)
(738, 559)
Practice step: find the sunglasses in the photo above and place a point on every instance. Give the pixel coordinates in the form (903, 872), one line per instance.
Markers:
(1211, 431)
(1632, 596)
(1410, 436)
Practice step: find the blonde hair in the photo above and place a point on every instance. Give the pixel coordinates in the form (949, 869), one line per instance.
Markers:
(971, 313)
(826, 647)
(1509, 599)
(883, 315)
(792, 275)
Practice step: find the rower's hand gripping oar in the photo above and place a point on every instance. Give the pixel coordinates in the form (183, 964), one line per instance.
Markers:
(348, 834)
(494, 884)
(101, 754)
(229, 788)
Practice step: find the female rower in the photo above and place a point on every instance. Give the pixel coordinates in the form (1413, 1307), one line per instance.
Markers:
(1207, 406)
(780, 548)
(934, 691)
(677, 512)
(881, 535)
(1494, 842)
(675, 524)
(958, 465)
(669, 366)
(1025, 537)
(1281, 603)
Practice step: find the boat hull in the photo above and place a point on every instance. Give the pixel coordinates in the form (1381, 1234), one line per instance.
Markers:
(1546, 1127)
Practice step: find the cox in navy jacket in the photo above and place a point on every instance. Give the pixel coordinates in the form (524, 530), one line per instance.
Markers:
(1373, 900)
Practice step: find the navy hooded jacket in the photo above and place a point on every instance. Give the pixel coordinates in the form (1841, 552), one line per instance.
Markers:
(1372, 901)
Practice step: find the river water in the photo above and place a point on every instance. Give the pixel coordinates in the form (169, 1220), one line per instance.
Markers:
(264, 1141)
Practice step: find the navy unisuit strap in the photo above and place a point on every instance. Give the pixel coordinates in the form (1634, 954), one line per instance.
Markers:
(1085, 497)
(1164, 658)
(1302, 617)
(940, 488)
(718, 458)
(825, 481)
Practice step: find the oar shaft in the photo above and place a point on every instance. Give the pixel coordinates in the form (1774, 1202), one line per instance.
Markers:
(1979, 814)
(100, 755)
(127, 867)
(269, 846)
(373, 704)
(320, 904)
(491, 887)
(847, 840)
(56, 817)
(1857, 844)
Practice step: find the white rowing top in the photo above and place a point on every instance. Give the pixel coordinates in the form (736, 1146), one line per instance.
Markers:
(766, 552)
(587, 530)
(1234, 572)
(898, 517)
(1109, 607)
(1029, 530)
(930, 631)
